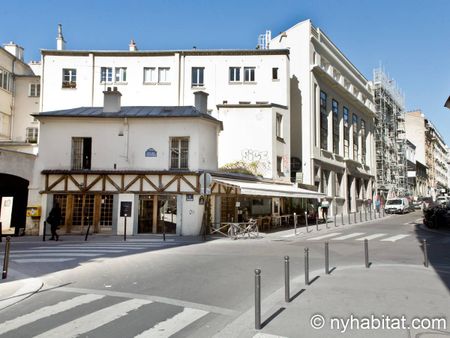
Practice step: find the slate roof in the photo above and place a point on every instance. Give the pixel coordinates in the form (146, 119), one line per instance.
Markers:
(130, 112)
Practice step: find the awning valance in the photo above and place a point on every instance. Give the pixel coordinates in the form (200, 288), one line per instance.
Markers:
(268, 189)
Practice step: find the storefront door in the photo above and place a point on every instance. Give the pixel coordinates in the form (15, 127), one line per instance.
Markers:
(145, 218)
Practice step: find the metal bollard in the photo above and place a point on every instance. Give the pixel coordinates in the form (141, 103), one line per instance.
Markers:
(370, 213)
(306, 220)
(374, 214)
(257, 299)
(335, 224)
(354, 217)
(306, 266)
(6, 258)
(327, 259)
(365, 213)
(295, 224)
(317, 223)
(287, 293)
(360, 215)
(425, 253)
(326, 221)
(342, 217)
(87, 232)
(349, 220)
(45, 229)
(125, 230)
(366, 252)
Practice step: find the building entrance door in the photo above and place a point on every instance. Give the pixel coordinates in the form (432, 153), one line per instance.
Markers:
(145, 218)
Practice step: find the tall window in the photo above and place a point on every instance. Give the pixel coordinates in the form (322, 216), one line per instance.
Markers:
(363, 141)
(69, 78)
(335, 110)
(106, 210)
(323, 121)
(249, 74)
(235, 74)
(32, 135)
(346, 132)
(279, 165)
(338, 184)
(121, 74)
(198, 76)
(34, 90)
(150, 75)
(324, 180)
(279, 126)
(106, 74)
(275, 74)
(355, 136)
(5, 79)
(81, 152)
(164, 75)
(179, 151)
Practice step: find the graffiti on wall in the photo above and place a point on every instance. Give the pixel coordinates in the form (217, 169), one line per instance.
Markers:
(261, 158)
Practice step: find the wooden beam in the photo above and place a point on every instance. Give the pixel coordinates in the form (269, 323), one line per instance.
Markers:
(132, 182)
(94, 182)
(75, 182)
(151, 183)
(189, 184)
(112, 183)
(169, 183)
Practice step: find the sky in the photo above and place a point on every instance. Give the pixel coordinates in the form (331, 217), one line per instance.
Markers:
(409, 38)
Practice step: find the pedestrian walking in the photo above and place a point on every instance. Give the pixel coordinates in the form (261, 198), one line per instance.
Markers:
(378, 204)
(54, 219)
(324, 206)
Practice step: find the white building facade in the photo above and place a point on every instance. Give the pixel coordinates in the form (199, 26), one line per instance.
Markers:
(332, 119)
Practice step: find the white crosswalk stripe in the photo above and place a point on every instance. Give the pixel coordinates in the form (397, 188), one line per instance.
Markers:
(324, 236)
(370, 237)
(394, 238)
(42, 260)
(94, 320)
(173, 325)
(47, 312)
(355, 234)
(65, 250)
(56, 254)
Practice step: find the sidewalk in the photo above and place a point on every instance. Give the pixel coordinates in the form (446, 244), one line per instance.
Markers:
(381, 291)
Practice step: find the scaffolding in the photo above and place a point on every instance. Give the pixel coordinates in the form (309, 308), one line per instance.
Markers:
(390, 137)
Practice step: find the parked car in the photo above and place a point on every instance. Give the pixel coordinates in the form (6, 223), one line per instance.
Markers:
(398, 205)
(427, 202)
(417, 204)
(437, 216)
(442, 200)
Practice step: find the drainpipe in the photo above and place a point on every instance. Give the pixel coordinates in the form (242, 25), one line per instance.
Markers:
(126, 131)
(13, 92)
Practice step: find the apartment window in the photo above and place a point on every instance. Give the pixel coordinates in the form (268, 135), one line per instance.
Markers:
(346, 132)
(323, 121)
(150, 75)
(279, 126)
(34, 90)
(338, 184)
(249, 74)
(5, 79)
(363, 141)
(324, 181)
(198, 76)
(106, 74)
(163, 75)
(279, 165)
(335, 110)
(32, 135)
(69, 78)
(275, 74)
(355, 136)
(235, 74)
(121, 74)
(81, 152)
(106, 211)
(179, 151)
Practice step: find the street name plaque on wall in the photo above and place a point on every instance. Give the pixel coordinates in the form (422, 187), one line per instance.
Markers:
(150, 152)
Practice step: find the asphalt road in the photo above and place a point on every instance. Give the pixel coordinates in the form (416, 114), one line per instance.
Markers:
(147, 288)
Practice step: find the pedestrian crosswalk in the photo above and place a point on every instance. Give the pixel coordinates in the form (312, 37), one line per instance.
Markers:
(91, 315)
(68, 252)
(359, 236)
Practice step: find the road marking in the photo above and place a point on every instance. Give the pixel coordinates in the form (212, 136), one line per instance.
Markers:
(324, 236)
(103, 247)
(394, 238)
(56, 254)
(64, 250)
(370, 237)
(267, 335)
(47, 311)
(355, 234)
(94, 320)
(41, 260)
(173, 325)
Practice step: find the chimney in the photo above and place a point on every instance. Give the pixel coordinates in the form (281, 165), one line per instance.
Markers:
(201, 102)
(60, 42)
(15, 50)
(111, 101)
(132, 46)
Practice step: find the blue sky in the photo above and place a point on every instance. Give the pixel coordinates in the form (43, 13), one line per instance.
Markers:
(411, 38)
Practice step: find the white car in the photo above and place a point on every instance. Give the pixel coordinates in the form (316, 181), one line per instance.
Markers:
(442, 200)
(399, 205)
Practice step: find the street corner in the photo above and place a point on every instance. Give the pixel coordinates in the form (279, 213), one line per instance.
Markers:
(17, 288)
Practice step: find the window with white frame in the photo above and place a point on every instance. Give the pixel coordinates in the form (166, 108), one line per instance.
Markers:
(34, 90)
(106, 74)
(150, 75)
(335, 110)
(32, 135)
(5, 79)
(323, 121)
(363, 141)
(249, 74)
(120, 74)
(355, 136)
(179, 152)
(279, 126)
(345, 114)
(69, 78)
(235, 74)
(163, 75)
(198, 76)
